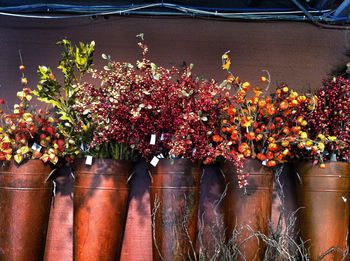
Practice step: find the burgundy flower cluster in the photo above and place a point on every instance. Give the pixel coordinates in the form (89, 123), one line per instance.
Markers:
(331, 118)
(152, 109)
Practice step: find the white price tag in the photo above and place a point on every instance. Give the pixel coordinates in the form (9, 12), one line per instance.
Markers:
(264, 162)
(88, 160)
(333, 157)
(154, 161)
(160, 156)
(36, 147)
(153, 139)
(162, 136)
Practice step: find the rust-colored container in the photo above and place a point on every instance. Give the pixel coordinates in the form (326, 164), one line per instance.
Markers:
(25, 200)
(253, 209)
(100, 207)
(324, 196)
(174, 194)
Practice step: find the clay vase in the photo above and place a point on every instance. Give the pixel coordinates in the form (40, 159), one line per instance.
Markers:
(174, 195)
(100, 207)
(252, 209)
(323, 196)
(25, 201)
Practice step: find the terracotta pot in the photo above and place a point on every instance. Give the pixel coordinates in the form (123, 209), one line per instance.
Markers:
(100, 207)
(253, 209)
(25, 200)
(324, 196)
(174, 194)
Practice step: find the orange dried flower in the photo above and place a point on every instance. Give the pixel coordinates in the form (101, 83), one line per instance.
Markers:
(271, 163)
(243, 147)
(217, 138)
(250, 135)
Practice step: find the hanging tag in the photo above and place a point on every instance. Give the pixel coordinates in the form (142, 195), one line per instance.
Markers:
(88, 160)
(36, 147)
(162, 136)
(333, 157)
(154, 161)
(153, 139)
(194, 151)
(84, 148)
(264, 163)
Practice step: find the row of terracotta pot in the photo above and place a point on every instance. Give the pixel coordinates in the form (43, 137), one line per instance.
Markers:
(100, 203)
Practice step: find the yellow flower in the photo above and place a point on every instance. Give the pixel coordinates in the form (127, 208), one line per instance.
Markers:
(226, 61)
(309, 143)
(246, 86)
(21, 95)
(321, 146)
(6, 139)
(18, 158)
(8, 151)
(263, 79)
(54, 159)
(44, 157)
(303, 135)
(85, 127)
(293, 94)
(257, 91)
(303, 123)
(321, 136)
(332, 138)
(27, 115)
(24, 149)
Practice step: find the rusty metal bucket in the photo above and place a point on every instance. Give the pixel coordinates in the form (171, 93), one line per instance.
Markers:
(253, 209)
(25, 200)
(174, 194)
(100, 208)
(324, 196)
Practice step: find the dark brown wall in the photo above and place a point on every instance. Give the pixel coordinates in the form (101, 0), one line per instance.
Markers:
(297, 53)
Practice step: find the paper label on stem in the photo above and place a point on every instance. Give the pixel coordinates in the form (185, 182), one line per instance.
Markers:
(153, 139)
(88, 160)
(36, 147)
(154, 161)
(333, 157)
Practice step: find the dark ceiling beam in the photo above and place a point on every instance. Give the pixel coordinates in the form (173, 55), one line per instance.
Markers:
(323, 4)
(343, 9)
(302, 8)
